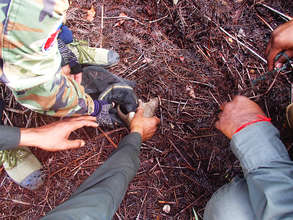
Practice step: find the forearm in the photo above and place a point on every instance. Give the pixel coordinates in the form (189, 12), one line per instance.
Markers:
(29, 137)
(267, 168)
(101, 194)
(124, 160)
(9, 137)
(12, 137)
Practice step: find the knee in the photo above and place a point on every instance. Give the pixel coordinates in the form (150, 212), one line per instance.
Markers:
(230, 202)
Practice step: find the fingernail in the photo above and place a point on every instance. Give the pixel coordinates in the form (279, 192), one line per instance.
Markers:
(82, 143)
(279, 65)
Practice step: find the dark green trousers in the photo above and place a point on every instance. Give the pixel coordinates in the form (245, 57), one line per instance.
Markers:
(101, 194)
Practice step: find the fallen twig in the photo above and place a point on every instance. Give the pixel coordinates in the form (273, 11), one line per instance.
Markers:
(286, 17)
(108, 138)
(124, 17)
(102, 26)
(179, 152)
(242, 44)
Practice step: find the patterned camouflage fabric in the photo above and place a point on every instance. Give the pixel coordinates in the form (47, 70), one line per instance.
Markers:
(30, 60)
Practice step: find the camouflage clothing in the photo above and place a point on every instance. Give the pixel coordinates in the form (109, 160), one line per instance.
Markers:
(30, 60)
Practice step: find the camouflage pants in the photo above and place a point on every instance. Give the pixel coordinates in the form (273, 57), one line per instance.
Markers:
(30, 60)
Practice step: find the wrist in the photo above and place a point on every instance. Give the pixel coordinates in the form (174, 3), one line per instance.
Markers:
(137, 130)
(28, 137)
(258, 118)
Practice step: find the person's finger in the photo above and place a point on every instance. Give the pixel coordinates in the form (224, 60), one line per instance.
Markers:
(283, 59)
(91, 124)
(139, 112)
(139, 103)
(66, 70)
(78, 78)
(88, 118)
(71, 144)
(157, 120)
(217, 124)
(271, 58)
(82, 118)
(220, 115)
(222, 107)
(79, 124)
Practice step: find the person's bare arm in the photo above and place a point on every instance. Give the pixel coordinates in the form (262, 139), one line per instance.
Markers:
(54, 136)
(281, 41)
(264, 159)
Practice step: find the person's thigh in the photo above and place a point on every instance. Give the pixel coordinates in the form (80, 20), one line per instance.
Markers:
(59, 96)
(230, 202)
(31, 62)
(29, 49)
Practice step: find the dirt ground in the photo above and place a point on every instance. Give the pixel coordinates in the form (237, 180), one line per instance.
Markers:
(181, 54)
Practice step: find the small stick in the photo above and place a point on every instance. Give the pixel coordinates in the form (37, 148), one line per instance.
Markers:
(201, 83)
(102, 26)
(271, 86)
(79, 165)
(125, 17)
(215, 98)
(162, 170)
(288, 18)
(203, 54)
(179, 152)
(210, 160)
(265, 22)
(175, 198)
(291, 93)
(267, 109)
(225, 61)
(16, 201)
(191, 179)
(159, 19)
(191, 204)
(250, 80)
(166, 202)
(85, 133)
(108, 138)
(161, 115)
(138, 215)
(6, 116)
(142, 66)
(242, 44)
(234, 38)
(15, 110)
(133, 64)
(203, 136)
(29, 120)
(110, 132)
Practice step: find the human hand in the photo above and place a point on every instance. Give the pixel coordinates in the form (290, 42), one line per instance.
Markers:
(54, 136)
(145, 126)
(67, 72)
(77, 77)
(237, 113)
(281, 40)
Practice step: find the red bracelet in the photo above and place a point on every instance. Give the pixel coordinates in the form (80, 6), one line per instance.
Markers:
(261, 118)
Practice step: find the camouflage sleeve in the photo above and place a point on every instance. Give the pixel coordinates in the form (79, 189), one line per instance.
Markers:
(31, 62)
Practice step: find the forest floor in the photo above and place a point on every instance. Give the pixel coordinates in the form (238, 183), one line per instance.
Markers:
(181, 54)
